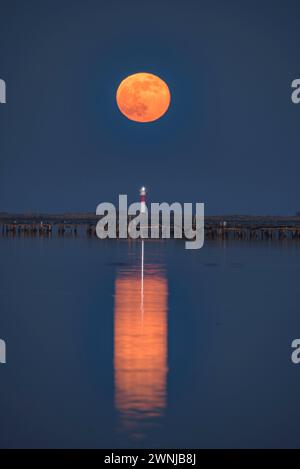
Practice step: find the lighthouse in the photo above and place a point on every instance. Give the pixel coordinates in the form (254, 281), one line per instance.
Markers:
(143, 199)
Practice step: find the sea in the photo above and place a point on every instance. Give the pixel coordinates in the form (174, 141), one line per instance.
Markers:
(145, 344)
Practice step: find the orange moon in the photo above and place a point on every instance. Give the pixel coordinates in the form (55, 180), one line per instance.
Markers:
(143, 97)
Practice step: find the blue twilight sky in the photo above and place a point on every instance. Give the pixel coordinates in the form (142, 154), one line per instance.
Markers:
(230, 138)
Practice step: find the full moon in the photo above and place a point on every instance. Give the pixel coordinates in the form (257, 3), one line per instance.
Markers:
(143, 97)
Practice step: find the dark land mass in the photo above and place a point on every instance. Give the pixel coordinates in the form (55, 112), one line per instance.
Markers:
(89, 217)
(224, 227)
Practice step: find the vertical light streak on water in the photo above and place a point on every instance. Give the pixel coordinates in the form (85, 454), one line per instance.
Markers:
(140, 346)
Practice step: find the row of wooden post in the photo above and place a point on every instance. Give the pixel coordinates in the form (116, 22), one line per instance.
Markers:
(212, 231)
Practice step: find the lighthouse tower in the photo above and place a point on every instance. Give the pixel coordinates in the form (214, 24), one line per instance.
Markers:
(143, 199)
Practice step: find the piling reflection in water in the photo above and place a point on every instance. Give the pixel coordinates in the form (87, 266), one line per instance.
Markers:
(140, 347)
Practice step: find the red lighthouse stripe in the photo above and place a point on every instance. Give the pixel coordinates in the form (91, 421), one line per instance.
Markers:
(143, 198)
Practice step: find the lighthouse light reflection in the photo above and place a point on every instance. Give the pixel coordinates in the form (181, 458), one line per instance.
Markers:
(140, 346)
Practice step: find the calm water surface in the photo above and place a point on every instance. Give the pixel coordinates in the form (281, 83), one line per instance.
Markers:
(123, 344)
